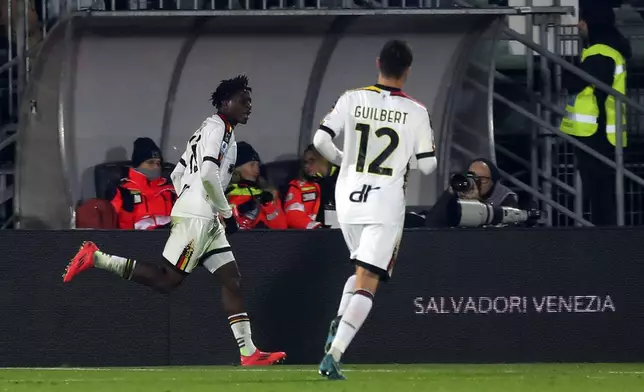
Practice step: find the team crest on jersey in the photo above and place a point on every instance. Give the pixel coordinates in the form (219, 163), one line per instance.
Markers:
(224, 143)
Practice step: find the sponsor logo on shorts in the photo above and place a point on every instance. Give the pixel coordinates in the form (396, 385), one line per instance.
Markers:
(362, 195)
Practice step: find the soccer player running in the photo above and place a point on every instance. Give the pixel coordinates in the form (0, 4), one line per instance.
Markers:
(201, 218)
(384, 129)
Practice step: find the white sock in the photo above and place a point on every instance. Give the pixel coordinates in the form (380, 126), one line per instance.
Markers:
(353, 318)
(347, 293)
(240, 324)
(119, 265)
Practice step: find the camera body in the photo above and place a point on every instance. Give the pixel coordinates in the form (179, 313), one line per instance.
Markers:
(462, 182)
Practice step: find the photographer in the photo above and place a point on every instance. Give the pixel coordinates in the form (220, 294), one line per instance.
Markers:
(481, 183)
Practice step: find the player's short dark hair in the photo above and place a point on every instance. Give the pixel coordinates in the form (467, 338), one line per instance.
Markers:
(228, 88)
(395, 58)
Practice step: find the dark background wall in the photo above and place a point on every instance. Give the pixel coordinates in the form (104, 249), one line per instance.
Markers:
(293, 282)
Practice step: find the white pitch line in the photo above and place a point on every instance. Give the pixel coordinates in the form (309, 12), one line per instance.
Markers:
(271, 370)
(625, 372)
(93, 380)
(277, 369)
(66, 380)
(88, 369)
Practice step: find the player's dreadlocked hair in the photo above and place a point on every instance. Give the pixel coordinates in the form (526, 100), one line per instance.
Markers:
(228, 88)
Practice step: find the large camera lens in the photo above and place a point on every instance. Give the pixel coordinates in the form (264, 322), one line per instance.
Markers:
(460, 182)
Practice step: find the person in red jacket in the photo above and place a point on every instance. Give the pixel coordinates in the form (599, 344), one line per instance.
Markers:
(254, 204)
(144, 199)
(312, 192)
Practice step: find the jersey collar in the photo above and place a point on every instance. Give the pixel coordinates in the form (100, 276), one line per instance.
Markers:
(225, 120)
(383, 87)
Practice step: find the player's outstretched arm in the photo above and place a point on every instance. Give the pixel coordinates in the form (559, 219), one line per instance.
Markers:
(324, 144)
(212, 184)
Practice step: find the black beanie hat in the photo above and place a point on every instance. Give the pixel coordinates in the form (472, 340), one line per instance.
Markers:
(596, 13)
(144, 149)
(246, 153)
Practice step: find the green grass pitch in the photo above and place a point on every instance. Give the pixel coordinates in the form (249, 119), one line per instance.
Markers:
(367, 378)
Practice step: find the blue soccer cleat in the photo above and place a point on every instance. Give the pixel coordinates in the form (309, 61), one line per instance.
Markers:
(330, 369)
(333, 329)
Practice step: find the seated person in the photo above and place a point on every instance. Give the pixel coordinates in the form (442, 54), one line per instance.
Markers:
(254, 204)
(487, 189)
(144, 199)
(313, 192)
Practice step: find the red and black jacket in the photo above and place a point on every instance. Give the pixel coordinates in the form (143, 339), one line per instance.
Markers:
(142, 204)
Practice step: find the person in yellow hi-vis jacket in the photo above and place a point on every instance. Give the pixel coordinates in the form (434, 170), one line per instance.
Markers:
(591, 112)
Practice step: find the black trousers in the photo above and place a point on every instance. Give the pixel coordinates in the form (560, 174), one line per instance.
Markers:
(598, 179)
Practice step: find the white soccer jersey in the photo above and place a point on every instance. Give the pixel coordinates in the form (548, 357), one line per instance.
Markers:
(214, 141)
(383, 128)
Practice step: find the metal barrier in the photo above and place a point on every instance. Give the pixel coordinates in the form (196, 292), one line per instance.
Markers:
(137, 6)
(551, 152)
(538, 175)
(618, 164)
(25, 26)
(546, 107)
(567, 44)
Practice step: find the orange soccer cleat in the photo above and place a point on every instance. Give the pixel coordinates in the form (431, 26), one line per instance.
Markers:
(260, 358)
(83, 260)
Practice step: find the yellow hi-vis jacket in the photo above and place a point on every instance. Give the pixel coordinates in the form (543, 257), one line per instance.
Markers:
(583, 110)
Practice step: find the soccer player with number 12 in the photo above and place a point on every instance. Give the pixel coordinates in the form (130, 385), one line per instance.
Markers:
(384, 128)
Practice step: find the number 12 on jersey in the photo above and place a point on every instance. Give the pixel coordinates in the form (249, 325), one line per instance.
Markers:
(375, 165)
